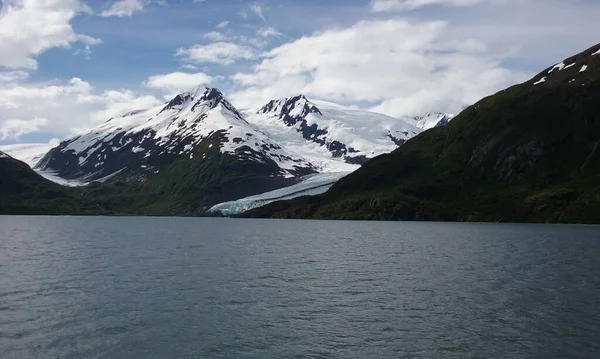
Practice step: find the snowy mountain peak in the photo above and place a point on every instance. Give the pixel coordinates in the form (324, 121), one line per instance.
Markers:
(201, 99)
(290, 109)
(331, 131)
(148, 139)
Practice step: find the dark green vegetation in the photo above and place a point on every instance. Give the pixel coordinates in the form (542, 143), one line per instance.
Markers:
(530, 153)
(25, 192)
(187, 186)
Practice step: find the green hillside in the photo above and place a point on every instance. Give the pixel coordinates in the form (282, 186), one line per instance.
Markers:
(529, 153)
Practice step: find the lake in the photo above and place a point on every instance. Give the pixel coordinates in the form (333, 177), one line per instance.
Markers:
(100, 287)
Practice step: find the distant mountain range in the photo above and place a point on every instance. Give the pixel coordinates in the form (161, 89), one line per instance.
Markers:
(198, 150)
(528, 153)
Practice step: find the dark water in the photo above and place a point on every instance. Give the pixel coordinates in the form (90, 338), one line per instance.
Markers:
(210, 288)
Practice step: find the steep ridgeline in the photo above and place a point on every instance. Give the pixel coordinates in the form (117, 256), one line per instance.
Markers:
(141, 142)
(528, 153)
(350, 135)
(430, 120)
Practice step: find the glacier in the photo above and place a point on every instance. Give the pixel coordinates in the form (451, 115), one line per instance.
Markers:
(309, 185)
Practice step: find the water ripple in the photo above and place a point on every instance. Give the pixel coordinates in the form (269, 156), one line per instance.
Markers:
(210, 288)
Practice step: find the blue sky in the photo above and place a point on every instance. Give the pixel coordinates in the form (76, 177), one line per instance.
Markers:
(136, 47)
(66, 65)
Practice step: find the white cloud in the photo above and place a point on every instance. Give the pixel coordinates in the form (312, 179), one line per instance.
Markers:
(404, 67)
(29, 28)
(222, 24)
(124, 8)
(216, 36)
(13, 76)
(65, 107)
(14, 128)
(224, 53)
(407, 5)
(177, 82)
(258, 10)
(189, 67)
(268, 31)
(118, 102)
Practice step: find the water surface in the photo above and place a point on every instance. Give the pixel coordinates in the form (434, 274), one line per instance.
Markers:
(221, 288)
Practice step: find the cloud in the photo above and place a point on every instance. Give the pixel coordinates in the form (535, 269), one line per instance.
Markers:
(124, 8)
(268, 31)
(65, 107)
(177, 82)
(407, 5)
(258, 10)
(224, 53)
(28, 28)
(222, 24)
(216, 36)
(15, 128)
(13, 76)
(118, 102)
(403, 68)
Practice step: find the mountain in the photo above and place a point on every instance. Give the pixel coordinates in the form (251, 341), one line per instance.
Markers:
(528, 153)
(350, 135)
(430, 120)
(141, 142)
(197, 151)
(31, 154)
(22, 191)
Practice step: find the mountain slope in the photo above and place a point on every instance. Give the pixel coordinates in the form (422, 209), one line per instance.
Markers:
(22, 191)
(528, 153)
(330, 134)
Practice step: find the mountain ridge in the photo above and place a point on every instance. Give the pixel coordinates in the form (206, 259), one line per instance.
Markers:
(197, 150)
(527, 153)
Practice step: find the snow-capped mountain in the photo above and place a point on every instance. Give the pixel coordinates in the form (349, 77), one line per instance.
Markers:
(200, 149)
(144, 140)
(343, 133)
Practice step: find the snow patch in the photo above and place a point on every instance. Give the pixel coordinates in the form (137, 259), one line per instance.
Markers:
(540, 81)
(596, 53)
(583, 68)
(557, 66)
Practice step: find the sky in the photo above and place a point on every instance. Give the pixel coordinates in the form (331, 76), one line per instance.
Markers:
(67, 65)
